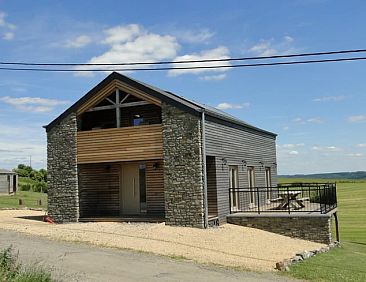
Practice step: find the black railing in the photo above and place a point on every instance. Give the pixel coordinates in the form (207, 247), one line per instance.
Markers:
(289, 198)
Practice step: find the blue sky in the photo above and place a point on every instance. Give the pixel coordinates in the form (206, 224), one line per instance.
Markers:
(318, 111)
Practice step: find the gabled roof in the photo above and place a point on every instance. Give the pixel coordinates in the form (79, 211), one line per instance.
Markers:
(165, 96)
(4, 171)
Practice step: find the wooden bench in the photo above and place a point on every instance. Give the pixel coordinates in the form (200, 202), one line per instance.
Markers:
(276, 200)
(300, 201)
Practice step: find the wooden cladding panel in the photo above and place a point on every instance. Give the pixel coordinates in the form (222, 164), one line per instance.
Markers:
(99, 189)
(155, 200)
(143, 142)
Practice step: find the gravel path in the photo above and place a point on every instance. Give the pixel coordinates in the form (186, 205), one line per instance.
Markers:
(81, 262)
(227, 245)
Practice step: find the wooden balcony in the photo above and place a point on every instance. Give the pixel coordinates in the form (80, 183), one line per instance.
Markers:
(133, 143)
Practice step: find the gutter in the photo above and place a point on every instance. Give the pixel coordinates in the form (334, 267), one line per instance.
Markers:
(205, 202)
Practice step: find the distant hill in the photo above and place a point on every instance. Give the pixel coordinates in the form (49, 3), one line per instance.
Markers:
(334, 175)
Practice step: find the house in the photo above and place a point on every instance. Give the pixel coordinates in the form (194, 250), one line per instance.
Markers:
(8, 181)
(131, 150)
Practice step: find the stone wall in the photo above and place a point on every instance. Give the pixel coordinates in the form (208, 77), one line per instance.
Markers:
(315, 228)
(63, 202)
(183, 170)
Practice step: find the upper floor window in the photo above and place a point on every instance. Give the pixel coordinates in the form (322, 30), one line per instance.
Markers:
(120, 109)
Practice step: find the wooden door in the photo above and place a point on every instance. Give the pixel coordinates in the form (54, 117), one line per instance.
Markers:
(130, 192)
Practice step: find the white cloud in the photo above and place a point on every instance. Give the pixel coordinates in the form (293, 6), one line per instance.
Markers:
(315, 120)
(227, 106)
(8, 27)
(291, 146)
(357, 155)
(361, 145)
(131, 43)
(218, 53)
(8, 35)
(213, 77)
(197, 36)
(293, 152)
(122, 34)
(272, 47)
(4, 23)
(329, 99)
(326, 148)
(33, 104)
(78, 42)
(358, 118)
(300, 120)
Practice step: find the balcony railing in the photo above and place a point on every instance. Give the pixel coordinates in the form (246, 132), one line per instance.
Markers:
(289, 198)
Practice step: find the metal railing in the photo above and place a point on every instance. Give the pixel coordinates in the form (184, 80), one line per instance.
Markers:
(289, 198)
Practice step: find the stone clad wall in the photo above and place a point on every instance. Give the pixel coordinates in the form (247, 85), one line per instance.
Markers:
(63, 200)
(183, 174)
(315, 228)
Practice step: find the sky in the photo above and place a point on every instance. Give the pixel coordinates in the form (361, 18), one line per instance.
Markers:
(317, 110)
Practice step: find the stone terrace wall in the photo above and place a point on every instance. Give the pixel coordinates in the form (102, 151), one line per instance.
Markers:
(63, 201)
(316, 228)
(183, 175)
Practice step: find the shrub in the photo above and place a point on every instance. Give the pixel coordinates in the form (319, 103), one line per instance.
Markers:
(40, 186)
(25, 186)
(12, 271)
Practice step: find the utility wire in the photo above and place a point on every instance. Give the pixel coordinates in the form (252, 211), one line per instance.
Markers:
(188, 61)
(187, 68)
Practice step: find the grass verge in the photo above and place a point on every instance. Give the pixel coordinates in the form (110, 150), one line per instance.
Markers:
(12, 271)
(347, 263)
(29, 200)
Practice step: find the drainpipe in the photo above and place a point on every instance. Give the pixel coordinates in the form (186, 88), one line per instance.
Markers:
(205, 202)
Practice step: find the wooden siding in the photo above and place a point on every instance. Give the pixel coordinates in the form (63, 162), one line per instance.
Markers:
(99, 189)
(155, 200)
(236, 146)
(143, 142)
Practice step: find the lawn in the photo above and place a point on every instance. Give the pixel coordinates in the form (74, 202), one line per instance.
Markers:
(347, 263)
(29, 200)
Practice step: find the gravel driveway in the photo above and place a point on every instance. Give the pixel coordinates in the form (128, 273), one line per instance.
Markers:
(227, 245)
(80, 262)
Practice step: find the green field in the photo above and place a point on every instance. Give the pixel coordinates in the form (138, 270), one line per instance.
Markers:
(29, 200)
(347, 263)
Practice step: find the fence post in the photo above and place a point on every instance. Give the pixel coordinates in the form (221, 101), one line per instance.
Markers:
(258, 202)
(230, 200)
(288, 200)
(320, 200)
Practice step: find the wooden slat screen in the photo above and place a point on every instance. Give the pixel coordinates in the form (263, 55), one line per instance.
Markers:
(155, 187)
(143, 142)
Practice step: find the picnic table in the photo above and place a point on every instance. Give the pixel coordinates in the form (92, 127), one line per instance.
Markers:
(290, 198)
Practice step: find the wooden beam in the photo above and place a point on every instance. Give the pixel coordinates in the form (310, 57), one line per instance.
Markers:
(126, 105)
(110, 101)
(118, 110)
(124, 98)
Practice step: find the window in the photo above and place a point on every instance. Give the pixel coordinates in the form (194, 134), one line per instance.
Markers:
(251, 184)
(142, 182)
(268, 182)
(234, 183)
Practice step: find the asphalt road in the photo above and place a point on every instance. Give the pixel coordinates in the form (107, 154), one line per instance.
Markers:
(81, 262)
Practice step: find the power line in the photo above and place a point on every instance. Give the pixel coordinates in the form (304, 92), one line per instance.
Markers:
(189, 61)
(187, 68)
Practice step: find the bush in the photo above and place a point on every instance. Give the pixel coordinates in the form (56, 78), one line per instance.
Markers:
(25, 187)
(40, 187)
(12, 271)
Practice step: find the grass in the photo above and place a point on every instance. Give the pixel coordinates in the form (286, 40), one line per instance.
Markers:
(28, 198)
(347, 263)
(12, 271)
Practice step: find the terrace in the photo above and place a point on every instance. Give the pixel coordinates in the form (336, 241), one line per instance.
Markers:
(302, 210)
(285, 198)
